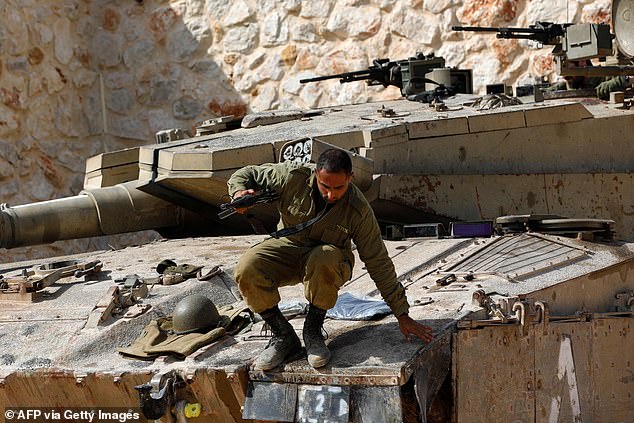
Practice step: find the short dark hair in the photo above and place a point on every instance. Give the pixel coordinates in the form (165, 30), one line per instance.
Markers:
(334, 161)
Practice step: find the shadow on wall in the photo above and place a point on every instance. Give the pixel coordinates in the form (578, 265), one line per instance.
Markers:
(96, 77)
(157, 70)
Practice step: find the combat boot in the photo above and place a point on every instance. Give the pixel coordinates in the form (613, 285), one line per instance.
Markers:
(283, 345)
(318, 352)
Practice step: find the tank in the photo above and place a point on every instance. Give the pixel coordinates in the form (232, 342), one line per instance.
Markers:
(510, 227)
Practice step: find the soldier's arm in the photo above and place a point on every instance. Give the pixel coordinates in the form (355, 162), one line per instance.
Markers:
(252, 179)
(373, 253)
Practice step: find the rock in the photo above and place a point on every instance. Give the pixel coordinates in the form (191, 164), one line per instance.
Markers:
(132, 127)
(161, 21)
(304, 31)
(310, 95)
(199, 29)
(274, 30)
(17, 64)
(289, 55)
(159, 119)
(241, 39)
(316, 8)
(271, 69)
(116, 80)
(240, 12)
(365, 22)
(207, 67)
(16, 32)
(439, 6)
(54, 80)
(186, 108)
(265, 98)
(8, 155)
(64, 40)
(245, 84)
(108, 47)
(111, 19)
(137, 53)
(217, 8)
(413, 26)
(598, 12)
(487, 12)
(120, 101)
(92, 111)
(38, 187)
(291, 85)
(161, 91)
(83, 78)
(181, 44)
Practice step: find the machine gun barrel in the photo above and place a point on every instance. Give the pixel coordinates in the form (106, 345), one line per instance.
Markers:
(543, 32)
(344, 77)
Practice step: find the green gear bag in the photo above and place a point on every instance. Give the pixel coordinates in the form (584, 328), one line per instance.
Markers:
(157, 338)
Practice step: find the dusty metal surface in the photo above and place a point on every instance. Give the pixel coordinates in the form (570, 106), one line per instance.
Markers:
(566, 157)
(48, 347)
(561, 371)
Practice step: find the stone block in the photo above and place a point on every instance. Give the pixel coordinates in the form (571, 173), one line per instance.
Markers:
(112, 159)
(204, 159)
(345, 140)
(384, 135)
(549, 115)
(496, 121)
(107, 177)
(438, 128)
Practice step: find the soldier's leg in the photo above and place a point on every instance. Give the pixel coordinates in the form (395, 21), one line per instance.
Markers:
(264, 268)
(327, 269)
(260, 271)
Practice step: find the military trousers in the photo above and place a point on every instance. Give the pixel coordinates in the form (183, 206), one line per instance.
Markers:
(274, 263)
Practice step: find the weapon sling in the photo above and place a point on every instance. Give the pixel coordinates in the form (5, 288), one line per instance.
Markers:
(300, 227)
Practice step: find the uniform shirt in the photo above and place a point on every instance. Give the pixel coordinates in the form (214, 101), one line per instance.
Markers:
(350, 219)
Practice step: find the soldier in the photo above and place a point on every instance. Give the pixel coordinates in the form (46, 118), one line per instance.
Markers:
(319, 256)
(603, 85)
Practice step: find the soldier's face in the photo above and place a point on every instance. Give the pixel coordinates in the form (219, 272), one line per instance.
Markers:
(332, 185)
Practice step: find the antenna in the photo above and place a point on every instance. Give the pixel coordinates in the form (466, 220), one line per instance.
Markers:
(567, 10)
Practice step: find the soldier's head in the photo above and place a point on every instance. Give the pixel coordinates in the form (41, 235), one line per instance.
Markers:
(333, 173)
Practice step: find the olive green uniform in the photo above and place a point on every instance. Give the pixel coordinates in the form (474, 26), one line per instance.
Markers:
(603, 85)
(320, 256)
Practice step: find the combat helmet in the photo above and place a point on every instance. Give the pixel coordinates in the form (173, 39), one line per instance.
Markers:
(195, 313)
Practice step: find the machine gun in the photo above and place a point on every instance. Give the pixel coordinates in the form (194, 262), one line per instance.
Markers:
(266, 196)
(409, 74)
(573, 43)
(546, 33)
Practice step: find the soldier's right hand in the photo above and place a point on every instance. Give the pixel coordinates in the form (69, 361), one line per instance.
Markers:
(238, 194)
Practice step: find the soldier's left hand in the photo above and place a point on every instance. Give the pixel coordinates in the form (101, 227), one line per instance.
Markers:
(411, 327)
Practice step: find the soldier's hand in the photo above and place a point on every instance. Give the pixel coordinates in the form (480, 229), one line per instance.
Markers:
(238, 194)
(411, 327)
(603, 90)
(617, 83)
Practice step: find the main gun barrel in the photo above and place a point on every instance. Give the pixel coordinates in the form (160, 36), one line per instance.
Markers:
(94, 212)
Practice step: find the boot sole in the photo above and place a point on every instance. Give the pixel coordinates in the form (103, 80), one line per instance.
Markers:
(317, 361)
(292, 356)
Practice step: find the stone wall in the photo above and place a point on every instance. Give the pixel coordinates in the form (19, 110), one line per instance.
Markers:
(82, 77)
